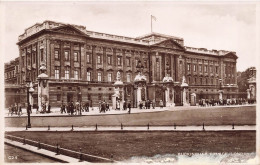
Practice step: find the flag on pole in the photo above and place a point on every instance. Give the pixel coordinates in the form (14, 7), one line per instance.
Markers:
(153, 17)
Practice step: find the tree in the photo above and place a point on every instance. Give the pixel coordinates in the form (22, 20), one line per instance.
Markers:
(242, 79)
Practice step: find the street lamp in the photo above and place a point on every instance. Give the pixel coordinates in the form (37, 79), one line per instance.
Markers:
(29, 90)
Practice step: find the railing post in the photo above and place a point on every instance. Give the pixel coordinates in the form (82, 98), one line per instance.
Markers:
(39, 145)
(121, 126)
(57, 149)
(23, 140)
(203, 128)
(72, 128)
(26, 127)
(233, 126)
(174, 126)
(96, 127)
(148, 126)
(48, 127)
(80, 155)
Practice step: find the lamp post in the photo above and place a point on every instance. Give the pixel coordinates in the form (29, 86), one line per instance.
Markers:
(29, 90)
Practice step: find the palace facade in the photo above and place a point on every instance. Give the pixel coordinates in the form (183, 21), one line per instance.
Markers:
(82, 65)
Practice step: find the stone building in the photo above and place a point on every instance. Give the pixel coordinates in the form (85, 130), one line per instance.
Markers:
(12, 82)
(82, 65)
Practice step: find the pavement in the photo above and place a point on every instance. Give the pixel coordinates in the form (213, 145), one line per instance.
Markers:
(55, 111)
(43, 152)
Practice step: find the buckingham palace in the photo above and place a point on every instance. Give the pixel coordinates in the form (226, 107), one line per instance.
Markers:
(86, 66)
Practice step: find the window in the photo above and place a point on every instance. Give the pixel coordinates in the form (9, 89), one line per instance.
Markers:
(33, 58)
(119, 62)
(205, 68)
(57, 73)
(195, 80)
(76, 58)
(109, 60)
(67, 73)
(99, 76)
(200, 68)
(88, 58)
(109, 77)
(88, 76)
(99, 59)
(41, 54)
(66, 55)
(58, 97)
(194, 68)
(128, 77)
(210, 69)
(127, 61)
(188, 67)
(56, 55)
(76, 74)
(109, 97)
(200, 81)
(99, 97)
(216, 69)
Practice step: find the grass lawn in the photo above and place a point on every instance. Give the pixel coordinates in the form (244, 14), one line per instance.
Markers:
(124, 145)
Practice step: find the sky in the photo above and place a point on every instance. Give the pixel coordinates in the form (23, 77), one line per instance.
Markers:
(218, 26)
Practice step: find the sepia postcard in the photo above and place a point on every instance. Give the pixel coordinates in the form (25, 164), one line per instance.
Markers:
(123, 82)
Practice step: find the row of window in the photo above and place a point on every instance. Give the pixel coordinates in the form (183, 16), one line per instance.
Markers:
(200, 68)
(10, 74)
(199, 81)
(99, 58)
(89, 75)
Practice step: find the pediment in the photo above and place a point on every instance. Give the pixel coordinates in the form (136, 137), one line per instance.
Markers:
(231, 55)
(68, 29)
(170, 43)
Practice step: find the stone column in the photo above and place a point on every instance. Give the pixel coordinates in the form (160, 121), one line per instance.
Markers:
(220, 94)
(248, 94)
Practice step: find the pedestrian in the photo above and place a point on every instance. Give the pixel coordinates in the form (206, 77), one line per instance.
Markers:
(140, 105)
(107, 107)
(87, 106)
(19, 110)
(62, 107)
(49, 108)
(148, 104)
(153, 103)
(71, 108)
(37, 109)
(124, 105)
(129, 107)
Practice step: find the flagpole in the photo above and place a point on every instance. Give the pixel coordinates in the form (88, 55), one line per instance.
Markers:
(151, 24)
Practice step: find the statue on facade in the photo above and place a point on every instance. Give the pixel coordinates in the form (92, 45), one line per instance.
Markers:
(118, 76)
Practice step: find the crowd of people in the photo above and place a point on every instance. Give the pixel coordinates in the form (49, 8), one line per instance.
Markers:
(78, 107)
(223, 102)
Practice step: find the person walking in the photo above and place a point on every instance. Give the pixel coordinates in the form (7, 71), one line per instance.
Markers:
(49, 108)
(129, 107)
(37, 109)
(124, 105)
(71, 108)
(19, 110)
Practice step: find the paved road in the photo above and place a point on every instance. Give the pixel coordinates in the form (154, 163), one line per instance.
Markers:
(17, 155)
(239, 115)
